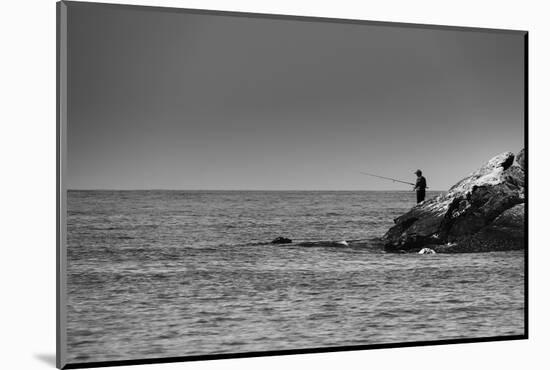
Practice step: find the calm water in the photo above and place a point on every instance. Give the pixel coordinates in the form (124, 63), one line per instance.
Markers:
(170, 273)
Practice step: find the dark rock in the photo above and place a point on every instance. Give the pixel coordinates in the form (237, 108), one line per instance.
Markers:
(482, 212)
(281, 240)
(520, 159)
(506, 232)
(325, 243)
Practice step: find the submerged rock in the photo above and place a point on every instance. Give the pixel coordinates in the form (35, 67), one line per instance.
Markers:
(324, 243)
(426, 251)
(482, 212)
(281, 240)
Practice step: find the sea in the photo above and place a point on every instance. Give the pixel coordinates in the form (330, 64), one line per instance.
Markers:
(155, 274)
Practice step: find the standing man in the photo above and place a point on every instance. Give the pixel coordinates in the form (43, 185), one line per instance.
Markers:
(420, 186)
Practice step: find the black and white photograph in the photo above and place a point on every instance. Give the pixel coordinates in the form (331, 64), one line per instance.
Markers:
(236, 183)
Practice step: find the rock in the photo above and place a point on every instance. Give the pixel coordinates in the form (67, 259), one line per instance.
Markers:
(324, 244)
(426, 251)
(506, 232)
(281, 240)
(482, 212)
(520, 159)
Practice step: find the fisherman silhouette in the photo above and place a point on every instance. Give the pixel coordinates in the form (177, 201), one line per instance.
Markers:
(420, 186)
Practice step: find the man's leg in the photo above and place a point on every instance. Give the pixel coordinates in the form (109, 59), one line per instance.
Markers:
(420, 195)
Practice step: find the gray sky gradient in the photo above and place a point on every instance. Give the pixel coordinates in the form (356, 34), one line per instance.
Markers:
(161, 100)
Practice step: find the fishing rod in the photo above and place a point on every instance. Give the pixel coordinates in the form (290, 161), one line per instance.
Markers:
(387, 178)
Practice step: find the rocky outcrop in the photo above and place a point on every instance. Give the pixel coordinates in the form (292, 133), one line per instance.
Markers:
(482, 212)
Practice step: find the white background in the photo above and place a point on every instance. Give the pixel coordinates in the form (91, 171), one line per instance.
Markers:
(27, 150)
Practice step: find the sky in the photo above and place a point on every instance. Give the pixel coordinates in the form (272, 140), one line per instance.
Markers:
(170, 100)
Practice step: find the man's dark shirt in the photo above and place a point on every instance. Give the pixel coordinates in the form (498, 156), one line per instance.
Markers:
(420, 188)
(420, 183)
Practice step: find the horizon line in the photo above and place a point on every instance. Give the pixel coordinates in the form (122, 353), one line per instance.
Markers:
(267, 190)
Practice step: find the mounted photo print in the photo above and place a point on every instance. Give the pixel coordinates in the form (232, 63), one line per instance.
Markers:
(237, 185)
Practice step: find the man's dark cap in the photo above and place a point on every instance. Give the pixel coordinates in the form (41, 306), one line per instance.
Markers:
(418, 172)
